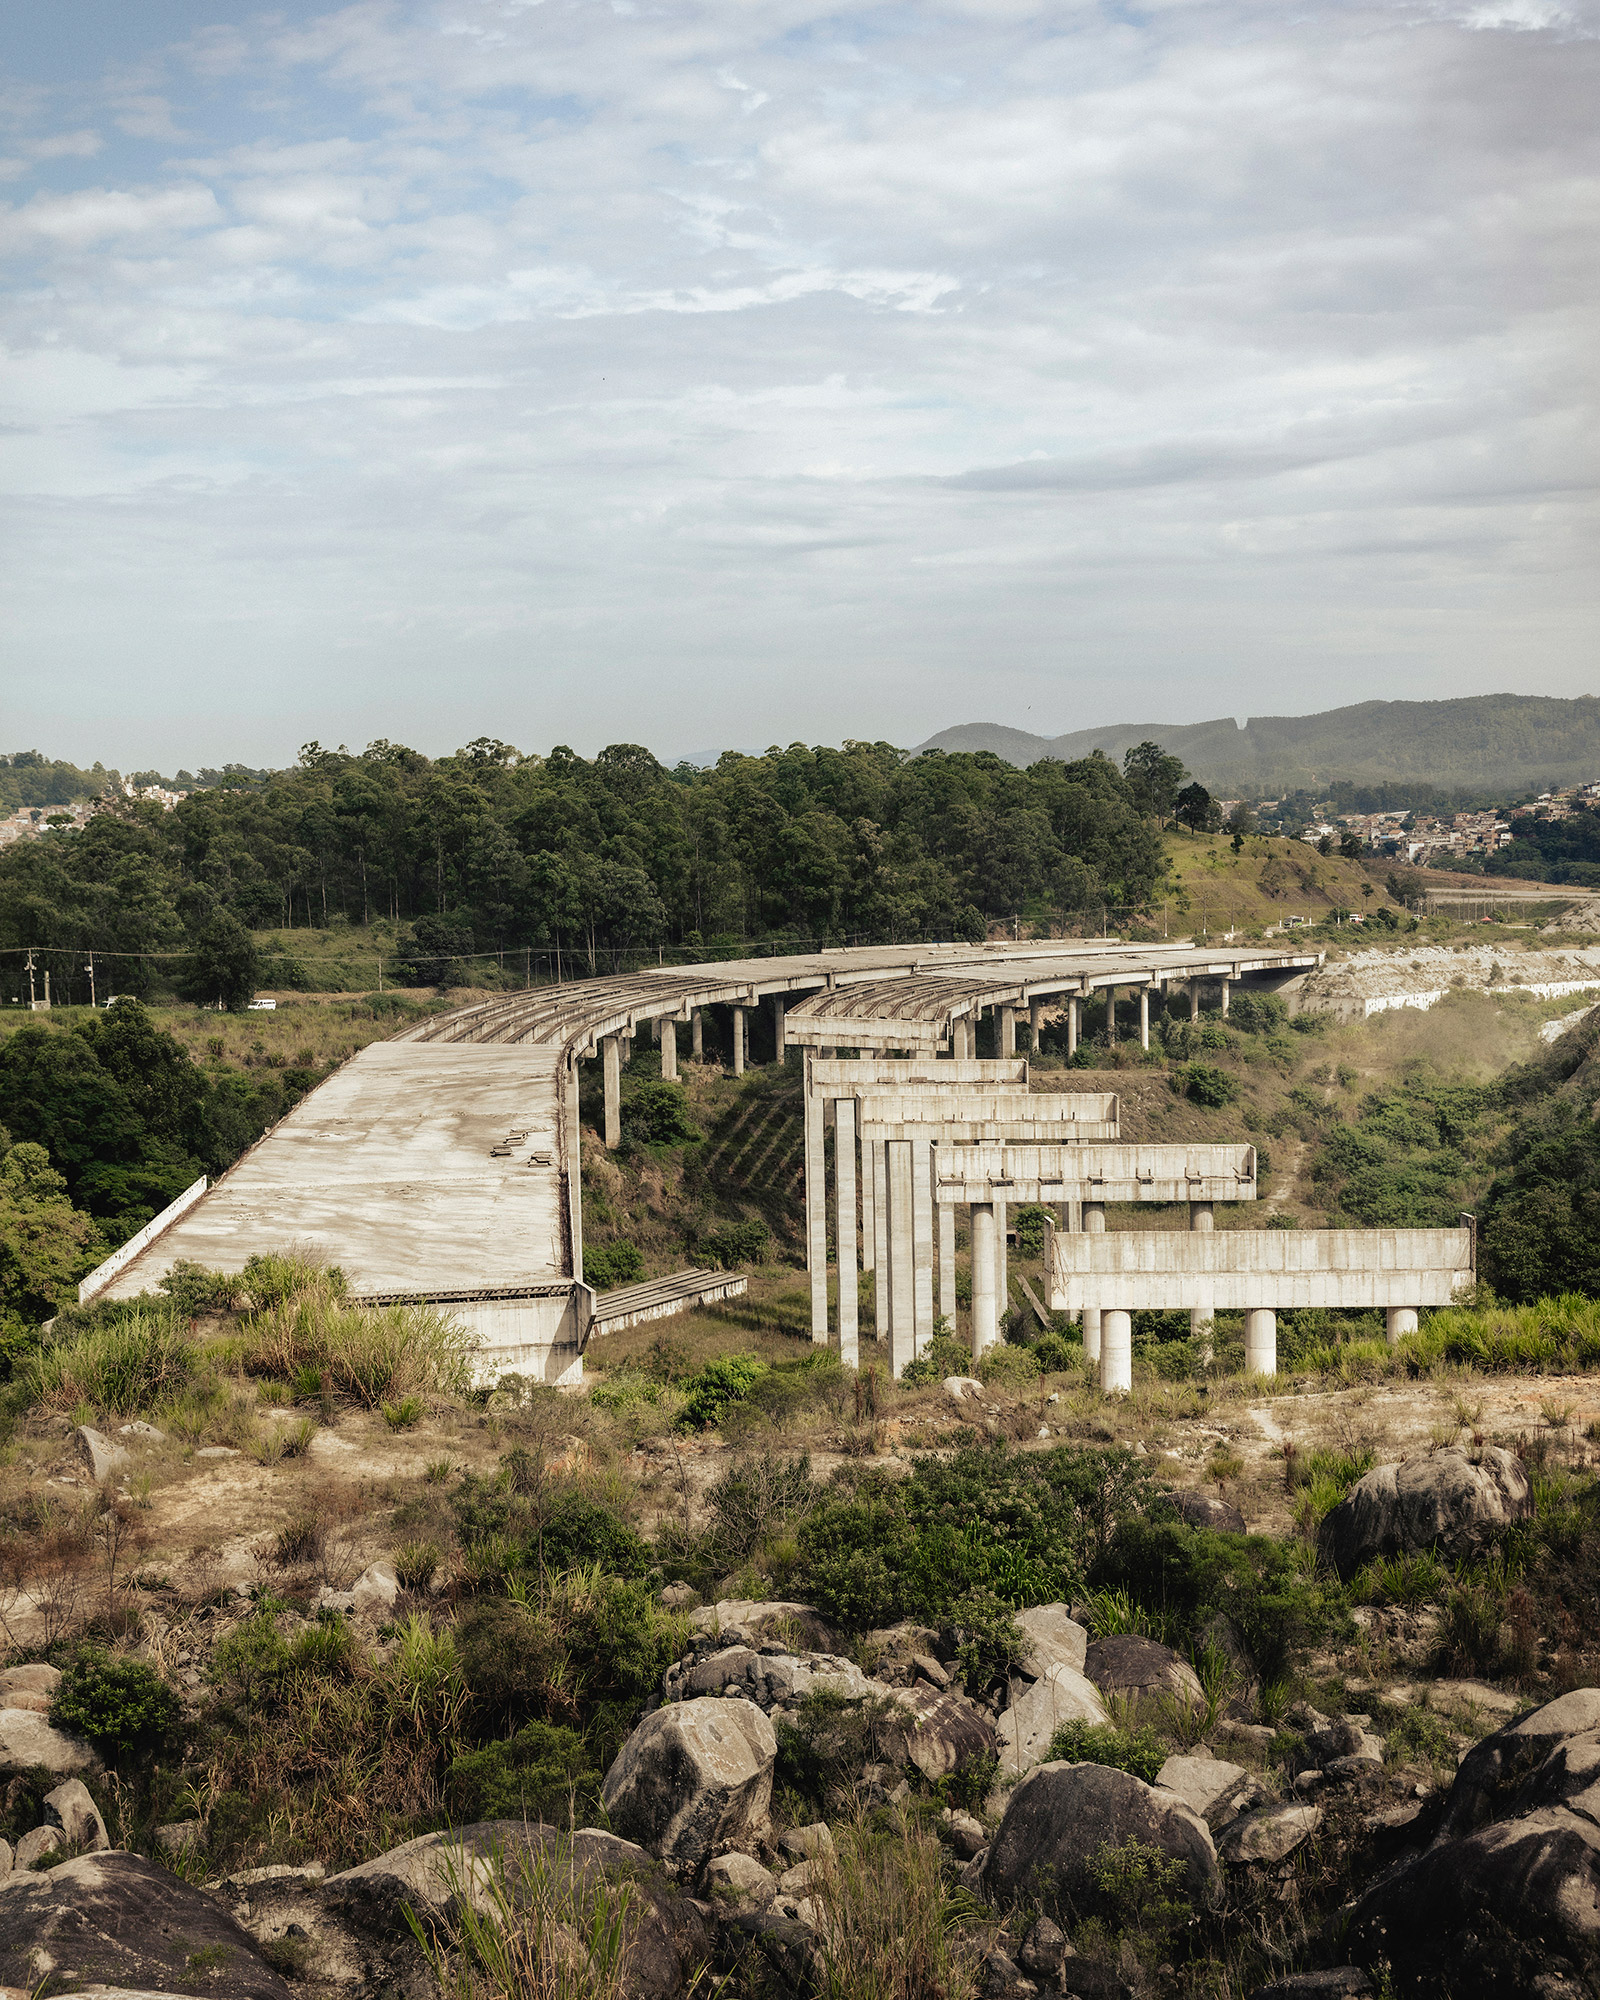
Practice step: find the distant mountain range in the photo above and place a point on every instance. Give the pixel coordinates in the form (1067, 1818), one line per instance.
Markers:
(1488, 742)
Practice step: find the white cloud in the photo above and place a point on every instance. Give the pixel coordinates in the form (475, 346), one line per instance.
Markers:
(584, 371)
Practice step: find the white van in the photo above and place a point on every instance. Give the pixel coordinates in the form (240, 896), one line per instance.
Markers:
(261, 1006)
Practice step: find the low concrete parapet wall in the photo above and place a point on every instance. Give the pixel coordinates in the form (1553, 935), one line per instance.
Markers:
(119, 1260)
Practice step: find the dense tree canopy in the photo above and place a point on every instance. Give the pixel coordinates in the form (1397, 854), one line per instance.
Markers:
(599, 857)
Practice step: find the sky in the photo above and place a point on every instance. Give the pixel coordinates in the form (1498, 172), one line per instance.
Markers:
(713, 376)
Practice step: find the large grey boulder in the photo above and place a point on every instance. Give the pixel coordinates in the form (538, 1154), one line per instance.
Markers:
(1062, 1815)
(1201, 1510)
(1055, 1639)
(941, 1732)
(352, 1934)
(1264, 1838)
(29, 1742)
(1061, 1694)
(102, 1457)
(1217, 1790)
(766, 1621)
(770, 1680)
(1506, 1900)
(118, 1920)
(1126, 1664)
(694, 1777)
(1452, 1500)
(31, 1686)
(70, 1808)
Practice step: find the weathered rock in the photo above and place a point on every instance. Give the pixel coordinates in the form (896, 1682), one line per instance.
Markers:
(802, 1843)
(70, 1808)
(1452, 1500)
(931, 1670)
(945, 1732)
(178, 1836)
(966, 1834)
(770, 1680)
(736, 1879)
(1004, 1979)
(1054, 1639)
(1255, 1738)
(375, 1590)
(796, 1881)
(102, 1457)
(1090, 1979)
(1024, 1730)
(679, 1597)
(217, 1451)
(1200, 1510)
(971, 1877)
(963, 1389)
(1268, 1836)
(1216, 1790)
(8, 1859)
(1043, 1949)
(118, 1920)
(33, 1847)
(27, 1740)
(1061, 1815)
(782, 1946)
(140, 1429)
(895, 1649)
(32, 1686)
(1125, 1664)
(1338, 1982)
(693, 1777)
(354, 1930)
(1507, 1898)
(771, 1620)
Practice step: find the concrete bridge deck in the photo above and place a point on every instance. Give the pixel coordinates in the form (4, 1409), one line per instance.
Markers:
(445, 1163)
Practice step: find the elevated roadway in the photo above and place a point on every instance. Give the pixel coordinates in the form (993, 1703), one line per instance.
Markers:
(444, 1164)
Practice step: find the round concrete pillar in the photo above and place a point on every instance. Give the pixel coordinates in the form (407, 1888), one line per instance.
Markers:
(1260, 1341)
(1400, 1319)
(985, 1279)
(1116, 1353)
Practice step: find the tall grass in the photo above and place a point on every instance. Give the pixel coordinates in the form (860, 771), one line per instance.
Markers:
(1556, 1335)
(376, 1354)
(120, 1369)
(887, 1930)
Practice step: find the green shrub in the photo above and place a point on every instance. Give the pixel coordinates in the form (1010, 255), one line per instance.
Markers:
(1140, 1751)
(734, 1244)
(544, 1772)
(118, 1704)
(657, 1114)
(1056, 1353)
(723, 1380)
(194, 1290)
(375, 1354)
(1204, 1083)
(1008, 1367)
(406, 1414)
(608, 1265)
(944, 1355)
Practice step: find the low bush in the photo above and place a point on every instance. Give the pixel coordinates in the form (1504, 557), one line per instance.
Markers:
(117, 1704)
(1139, 1751)
(1205, 1083)
(658, 1114)
(544, 1772)
(735, 1244)
(608, 1265)
(723, 1380)
(943, 1356)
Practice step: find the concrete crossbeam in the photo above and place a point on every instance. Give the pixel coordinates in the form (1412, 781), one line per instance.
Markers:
(1256, 1269)
(1097, 1173)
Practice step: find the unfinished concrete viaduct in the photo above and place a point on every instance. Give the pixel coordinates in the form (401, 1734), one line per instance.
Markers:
(444, 1164)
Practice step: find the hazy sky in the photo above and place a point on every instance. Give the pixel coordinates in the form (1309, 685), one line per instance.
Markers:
(713, 375)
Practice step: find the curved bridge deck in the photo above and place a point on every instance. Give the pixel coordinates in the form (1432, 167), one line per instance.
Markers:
(445, 1163)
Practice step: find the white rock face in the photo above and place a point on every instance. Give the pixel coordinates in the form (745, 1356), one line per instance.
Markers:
(1211, 1785)
(693, 1777)
(70, 1808)
(100, 1455)
(26, 1740)
(1054, 1639)
(737, 1880)
(1270, 1835)
(1060, 1694)
(32, 1686)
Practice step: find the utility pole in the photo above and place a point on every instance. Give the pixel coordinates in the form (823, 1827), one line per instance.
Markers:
(90, 969)
(33, 1005)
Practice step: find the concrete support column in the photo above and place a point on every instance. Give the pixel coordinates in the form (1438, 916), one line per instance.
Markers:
(1144, 1017)
(844, 1189)
(1094, 1224)
(1008, 1031)
(985, 1322)
(1002, 1263)
(922, 1236)
(780, 1046)
(1203, 1220)
(882, 1276)
(1073, 1016)
(1111, 1016)
(611, 1057)
(1226, 983)
(1194, 999)
(697, 1037)
(738, 1040)
(869, 1203)
(947, 1263)
(1035, 1024)
(669, 1051)
(816, 1177)
(902, 1257)
(1398, 1320)
(1260, 1341)
(1116, 1353)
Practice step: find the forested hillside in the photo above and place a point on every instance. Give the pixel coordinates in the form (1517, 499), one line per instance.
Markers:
(488, 850)
(1480, 744)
